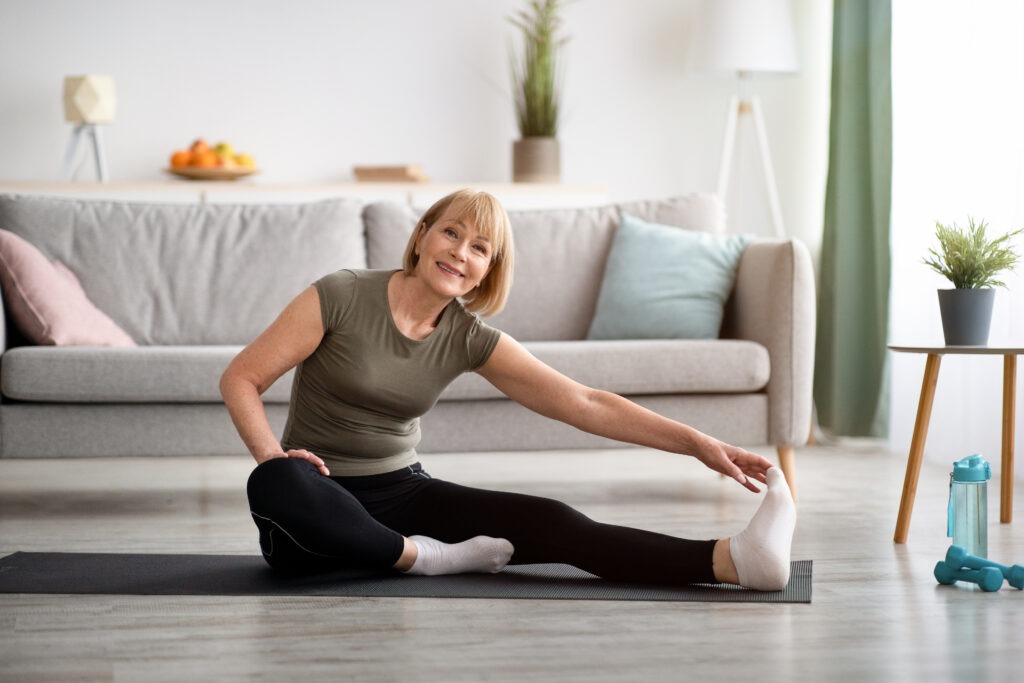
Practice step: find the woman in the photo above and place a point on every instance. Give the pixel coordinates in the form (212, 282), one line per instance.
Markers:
(373, 350)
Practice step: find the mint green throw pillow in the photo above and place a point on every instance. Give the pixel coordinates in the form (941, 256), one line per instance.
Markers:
(663, 282)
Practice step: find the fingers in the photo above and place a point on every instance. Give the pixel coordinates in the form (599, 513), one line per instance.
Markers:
(737, 463)
(750, 486)
(756, 472)
(311, 457)
(749, 465)
(744, 480)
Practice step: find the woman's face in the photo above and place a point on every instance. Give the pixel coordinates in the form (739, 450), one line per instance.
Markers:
(453, 256)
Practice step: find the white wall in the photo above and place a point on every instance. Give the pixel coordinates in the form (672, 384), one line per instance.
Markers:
(312, 87)
(958, 75)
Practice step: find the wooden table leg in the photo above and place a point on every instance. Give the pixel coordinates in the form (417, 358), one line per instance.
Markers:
(924, 415)
(1009, 415)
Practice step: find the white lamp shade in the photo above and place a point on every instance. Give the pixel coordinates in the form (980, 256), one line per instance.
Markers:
(89, 99)
(744, 36)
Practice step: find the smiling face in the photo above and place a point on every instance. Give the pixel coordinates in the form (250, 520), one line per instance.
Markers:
(480, 223)
(454, 256)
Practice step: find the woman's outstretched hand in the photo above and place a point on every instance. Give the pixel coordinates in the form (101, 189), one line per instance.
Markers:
(734, 462)
(302, 454)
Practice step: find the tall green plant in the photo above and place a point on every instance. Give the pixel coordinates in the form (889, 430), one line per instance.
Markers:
(535, 77)
(968, 258)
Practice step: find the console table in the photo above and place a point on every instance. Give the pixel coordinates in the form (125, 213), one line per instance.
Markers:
(418, 195)
(924, 413)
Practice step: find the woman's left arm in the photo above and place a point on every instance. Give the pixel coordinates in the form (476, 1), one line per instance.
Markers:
(539, 387)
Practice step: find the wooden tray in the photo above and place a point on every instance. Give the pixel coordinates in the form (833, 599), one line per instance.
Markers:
(199, 173)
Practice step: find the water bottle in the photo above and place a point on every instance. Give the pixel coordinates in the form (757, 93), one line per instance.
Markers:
(968, 504)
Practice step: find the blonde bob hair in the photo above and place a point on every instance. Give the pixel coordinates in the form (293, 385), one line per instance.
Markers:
(490, 218)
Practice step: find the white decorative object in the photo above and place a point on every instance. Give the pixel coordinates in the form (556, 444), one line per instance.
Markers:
(89, 101)
(743, 38)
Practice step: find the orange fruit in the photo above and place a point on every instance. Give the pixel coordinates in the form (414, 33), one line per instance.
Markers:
(181, 158)
(199, 146)
(205, 159)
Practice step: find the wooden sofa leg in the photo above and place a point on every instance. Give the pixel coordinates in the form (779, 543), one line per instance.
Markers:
(787, 461)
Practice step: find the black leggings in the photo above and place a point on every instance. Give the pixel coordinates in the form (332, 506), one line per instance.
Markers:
(309, 522)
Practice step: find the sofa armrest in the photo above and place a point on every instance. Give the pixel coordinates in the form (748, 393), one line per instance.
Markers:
(773, 303)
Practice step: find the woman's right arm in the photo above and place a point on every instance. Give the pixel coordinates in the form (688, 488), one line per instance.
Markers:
(291, 338)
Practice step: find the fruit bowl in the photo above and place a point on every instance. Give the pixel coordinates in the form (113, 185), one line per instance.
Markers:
(211, 173)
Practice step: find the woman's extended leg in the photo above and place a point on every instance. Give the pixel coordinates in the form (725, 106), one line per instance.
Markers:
(544, 530)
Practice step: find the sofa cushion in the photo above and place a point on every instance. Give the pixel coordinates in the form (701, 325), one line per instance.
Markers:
(388, 227)
(556, 250)
(643, 367)
(663, 283)
(181, 374)
(46, 300)
(145, 374)
(191, 273)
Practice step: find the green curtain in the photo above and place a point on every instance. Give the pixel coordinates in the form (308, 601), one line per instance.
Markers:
(850, 379)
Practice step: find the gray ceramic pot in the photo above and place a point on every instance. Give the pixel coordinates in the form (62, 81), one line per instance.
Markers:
(966, 315)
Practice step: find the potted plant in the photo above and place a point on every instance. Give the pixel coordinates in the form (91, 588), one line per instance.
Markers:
(971, 261)
(535, 78)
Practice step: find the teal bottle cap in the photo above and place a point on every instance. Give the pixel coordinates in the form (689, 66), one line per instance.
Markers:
(972, 468)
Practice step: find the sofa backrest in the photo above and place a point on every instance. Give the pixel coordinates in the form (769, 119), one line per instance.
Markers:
(560, 256)
(219, 273)
(191, 273)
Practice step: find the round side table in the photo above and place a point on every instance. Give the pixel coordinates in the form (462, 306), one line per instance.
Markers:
(924, 414)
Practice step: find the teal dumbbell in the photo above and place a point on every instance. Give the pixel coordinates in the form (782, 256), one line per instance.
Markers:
(989, 578)
(956, 556)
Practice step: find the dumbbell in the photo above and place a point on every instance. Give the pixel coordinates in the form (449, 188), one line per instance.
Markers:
(956, 556)
(989, 578)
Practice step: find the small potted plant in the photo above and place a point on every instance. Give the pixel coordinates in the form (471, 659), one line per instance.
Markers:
(971, 261)
(537, 96)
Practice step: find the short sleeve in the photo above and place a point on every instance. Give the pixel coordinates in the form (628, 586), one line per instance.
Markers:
(480, 343)
(336, 292)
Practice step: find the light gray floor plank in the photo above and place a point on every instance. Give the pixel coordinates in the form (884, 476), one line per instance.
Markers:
(877, 613)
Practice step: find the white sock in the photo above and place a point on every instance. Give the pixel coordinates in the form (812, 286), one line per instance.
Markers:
(482, 554)
(761, 551)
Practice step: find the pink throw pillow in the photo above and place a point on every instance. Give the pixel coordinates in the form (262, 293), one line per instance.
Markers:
(47, 302)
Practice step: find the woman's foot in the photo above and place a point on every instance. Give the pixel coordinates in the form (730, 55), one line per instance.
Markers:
(760, 553)
(481, 554)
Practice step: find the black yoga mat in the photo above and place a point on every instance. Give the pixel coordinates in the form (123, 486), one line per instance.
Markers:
(132, 574)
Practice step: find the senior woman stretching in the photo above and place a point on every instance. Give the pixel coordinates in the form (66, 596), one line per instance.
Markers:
(374, 349)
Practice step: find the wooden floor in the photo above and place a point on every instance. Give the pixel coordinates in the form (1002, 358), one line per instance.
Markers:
(877, 613)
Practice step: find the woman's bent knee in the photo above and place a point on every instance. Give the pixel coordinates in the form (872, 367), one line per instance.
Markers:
(306, 518)
(278, 477)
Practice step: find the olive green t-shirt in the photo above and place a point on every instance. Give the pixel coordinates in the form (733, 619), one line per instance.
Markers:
(357, 399)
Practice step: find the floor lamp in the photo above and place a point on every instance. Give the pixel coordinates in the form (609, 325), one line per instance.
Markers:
(89, 101)
(744, 38)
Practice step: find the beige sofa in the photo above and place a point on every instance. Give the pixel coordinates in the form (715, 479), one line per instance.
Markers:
(191, 284)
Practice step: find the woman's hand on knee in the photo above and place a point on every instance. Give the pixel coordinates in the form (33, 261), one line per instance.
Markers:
(301, 454)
